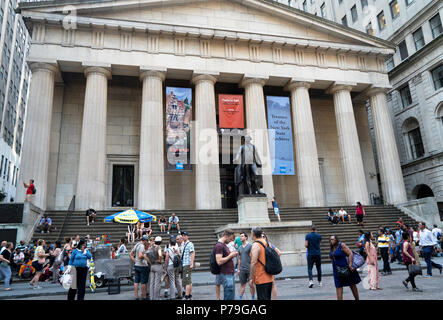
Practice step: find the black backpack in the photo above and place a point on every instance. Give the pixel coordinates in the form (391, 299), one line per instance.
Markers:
(273, 263)
(34, 190)
(176, 260)
(215, 268)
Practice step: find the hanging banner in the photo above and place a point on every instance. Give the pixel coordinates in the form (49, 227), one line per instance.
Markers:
(280, 135)
(230, 111)
(178, 128)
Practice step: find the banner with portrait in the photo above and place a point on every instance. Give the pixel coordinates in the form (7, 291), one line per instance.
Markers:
(230, 111)
(178, 128)
(280, 135)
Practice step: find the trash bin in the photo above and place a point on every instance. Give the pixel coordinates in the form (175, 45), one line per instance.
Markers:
(114, 286)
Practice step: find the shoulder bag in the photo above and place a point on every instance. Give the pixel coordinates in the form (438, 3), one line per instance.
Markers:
(343, 273)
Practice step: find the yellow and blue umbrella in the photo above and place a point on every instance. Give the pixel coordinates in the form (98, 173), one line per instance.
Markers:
(130, 216)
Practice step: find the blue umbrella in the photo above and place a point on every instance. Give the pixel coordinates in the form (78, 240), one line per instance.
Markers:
(130, 216)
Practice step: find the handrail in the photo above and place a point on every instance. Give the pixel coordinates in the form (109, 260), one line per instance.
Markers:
(71, 209)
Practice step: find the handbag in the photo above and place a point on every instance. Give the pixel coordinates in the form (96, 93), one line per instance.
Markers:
(343, 273)
(415, 270)
(357, 260)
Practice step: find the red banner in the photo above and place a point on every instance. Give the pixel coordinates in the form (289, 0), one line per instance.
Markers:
(230, 111)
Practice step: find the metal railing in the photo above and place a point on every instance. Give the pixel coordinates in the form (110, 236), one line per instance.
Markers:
(67, 219)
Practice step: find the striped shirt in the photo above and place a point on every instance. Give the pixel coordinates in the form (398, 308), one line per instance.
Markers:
(383, 241)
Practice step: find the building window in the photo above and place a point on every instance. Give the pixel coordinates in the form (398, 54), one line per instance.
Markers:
(354, 13)
(344, 21)
(405, 95)
(436, 26)
(437, 77)
(419, 40)
(364, 4)
(395, 9)
(381, 20)
(416, 143)
(403, 50)
(369, 29)
(408, 2)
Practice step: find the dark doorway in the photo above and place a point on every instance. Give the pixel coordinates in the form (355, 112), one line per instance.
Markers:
(229, 196)
(123, 186)
(424, 192)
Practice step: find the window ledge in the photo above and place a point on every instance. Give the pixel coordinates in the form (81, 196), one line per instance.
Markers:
(411, 106)
(436, 92)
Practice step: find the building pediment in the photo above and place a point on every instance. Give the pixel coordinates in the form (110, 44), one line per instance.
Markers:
(256, 21)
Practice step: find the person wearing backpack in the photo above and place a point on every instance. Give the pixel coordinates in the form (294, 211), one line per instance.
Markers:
(260, 277)
(224, 258)
(172, 262)
(30, 190)
(155, 258)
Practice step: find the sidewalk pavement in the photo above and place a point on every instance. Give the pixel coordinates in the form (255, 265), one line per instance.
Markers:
(23, 290)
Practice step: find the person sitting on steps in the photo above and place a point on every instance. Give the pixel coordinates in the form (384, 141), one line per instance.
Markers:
(173, 223)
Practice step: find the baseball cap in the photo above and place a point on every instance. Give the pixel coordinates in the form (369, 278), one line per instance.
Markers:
(172, 237)
(145, 237)
(184, 233)
(158, 239)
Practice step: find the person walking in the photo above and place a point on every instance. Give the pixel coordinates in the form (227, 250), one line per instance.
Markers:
(409, 257)
(312, 243)
(78, 262)
(372, 262)
(276, 208)
(5, 265)
(155, 259)
(428, 243)
(244, 263)
(383, 244)
(58, 261)
(67, 249)
(141, 267)
(260, 278)
(188, 257)
(38, 262)
(172, 253)
(224, 258)
(338, 254)
(398, 241)
(359, 214)
(361, 244)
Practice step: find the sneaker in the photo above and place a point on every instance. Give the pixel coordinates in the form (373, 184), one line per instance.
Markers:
(41, 231)
(427, 276)
(405, 284)
(311, 284)
(30, 284)
(417, 290)
(38, 287)
(320, 284)
(168, 232)
(179, 232)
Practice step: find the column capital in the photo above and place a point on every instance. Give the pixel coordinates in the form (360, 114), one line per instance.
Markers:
(297, 83)
(372, 91)
(250, 79)
(199, 76)
(152, 74)
(51, 67)
(339, 86)
(97, 68)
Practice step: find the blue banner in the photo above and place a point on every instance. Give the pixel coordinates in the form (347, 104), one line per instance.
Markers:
(280, 135)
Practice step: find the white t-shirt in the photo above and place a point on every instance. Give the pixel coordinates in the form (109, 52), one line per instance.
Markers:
(415, 236)
(342, 212)
(176, 220)
(436, 231)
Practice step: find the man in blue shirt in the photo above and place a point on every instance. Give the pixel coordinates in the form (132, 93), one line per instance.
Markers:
(312, 243)
(398, 243)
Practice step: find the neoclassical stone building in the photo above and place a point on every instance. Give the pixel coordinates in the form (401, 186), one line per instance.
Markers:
(96, 118)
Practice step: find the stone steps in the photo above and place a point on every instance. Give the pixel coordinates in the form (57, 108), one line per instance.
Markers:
(201, 225)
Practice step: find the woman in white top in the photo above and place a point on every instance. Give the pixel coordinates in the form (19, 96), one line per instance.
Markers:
(122, 247)
(38, 263)
(58, 254)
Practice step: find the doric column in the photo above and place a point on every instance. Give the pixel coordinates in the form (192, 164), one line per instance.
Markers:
(207, 174)
(257, 127)
(91, 182)
(351, 159)
(151, 187)
(308, 171)
(35, 151)
(388, 159)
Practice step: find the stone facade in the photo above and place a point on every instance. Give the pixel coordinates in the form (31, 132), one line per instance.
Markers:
(255, 46)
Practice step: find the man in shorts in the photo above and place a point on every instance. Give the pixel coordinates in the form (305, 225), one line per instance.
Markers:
(244, 262)
(188, 256)
(173, 223)
(141, 267)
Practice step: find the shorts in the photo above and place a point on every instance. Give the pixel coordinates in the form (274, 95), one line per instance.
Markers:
(37, 266)
(359, 218)
(141, 274)
(346, 218)
(276, 210)
(218, 280)
(244, 276)
(186, 276)
(162, 224)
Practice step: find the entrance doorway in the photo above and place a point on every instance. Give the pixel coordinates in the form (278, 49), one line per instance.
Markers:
(227, 184)
(123, 186)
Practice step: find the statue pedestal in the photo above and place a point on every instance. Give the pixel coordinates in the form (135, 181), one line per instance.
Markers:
(288, 236)
(253, 209)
